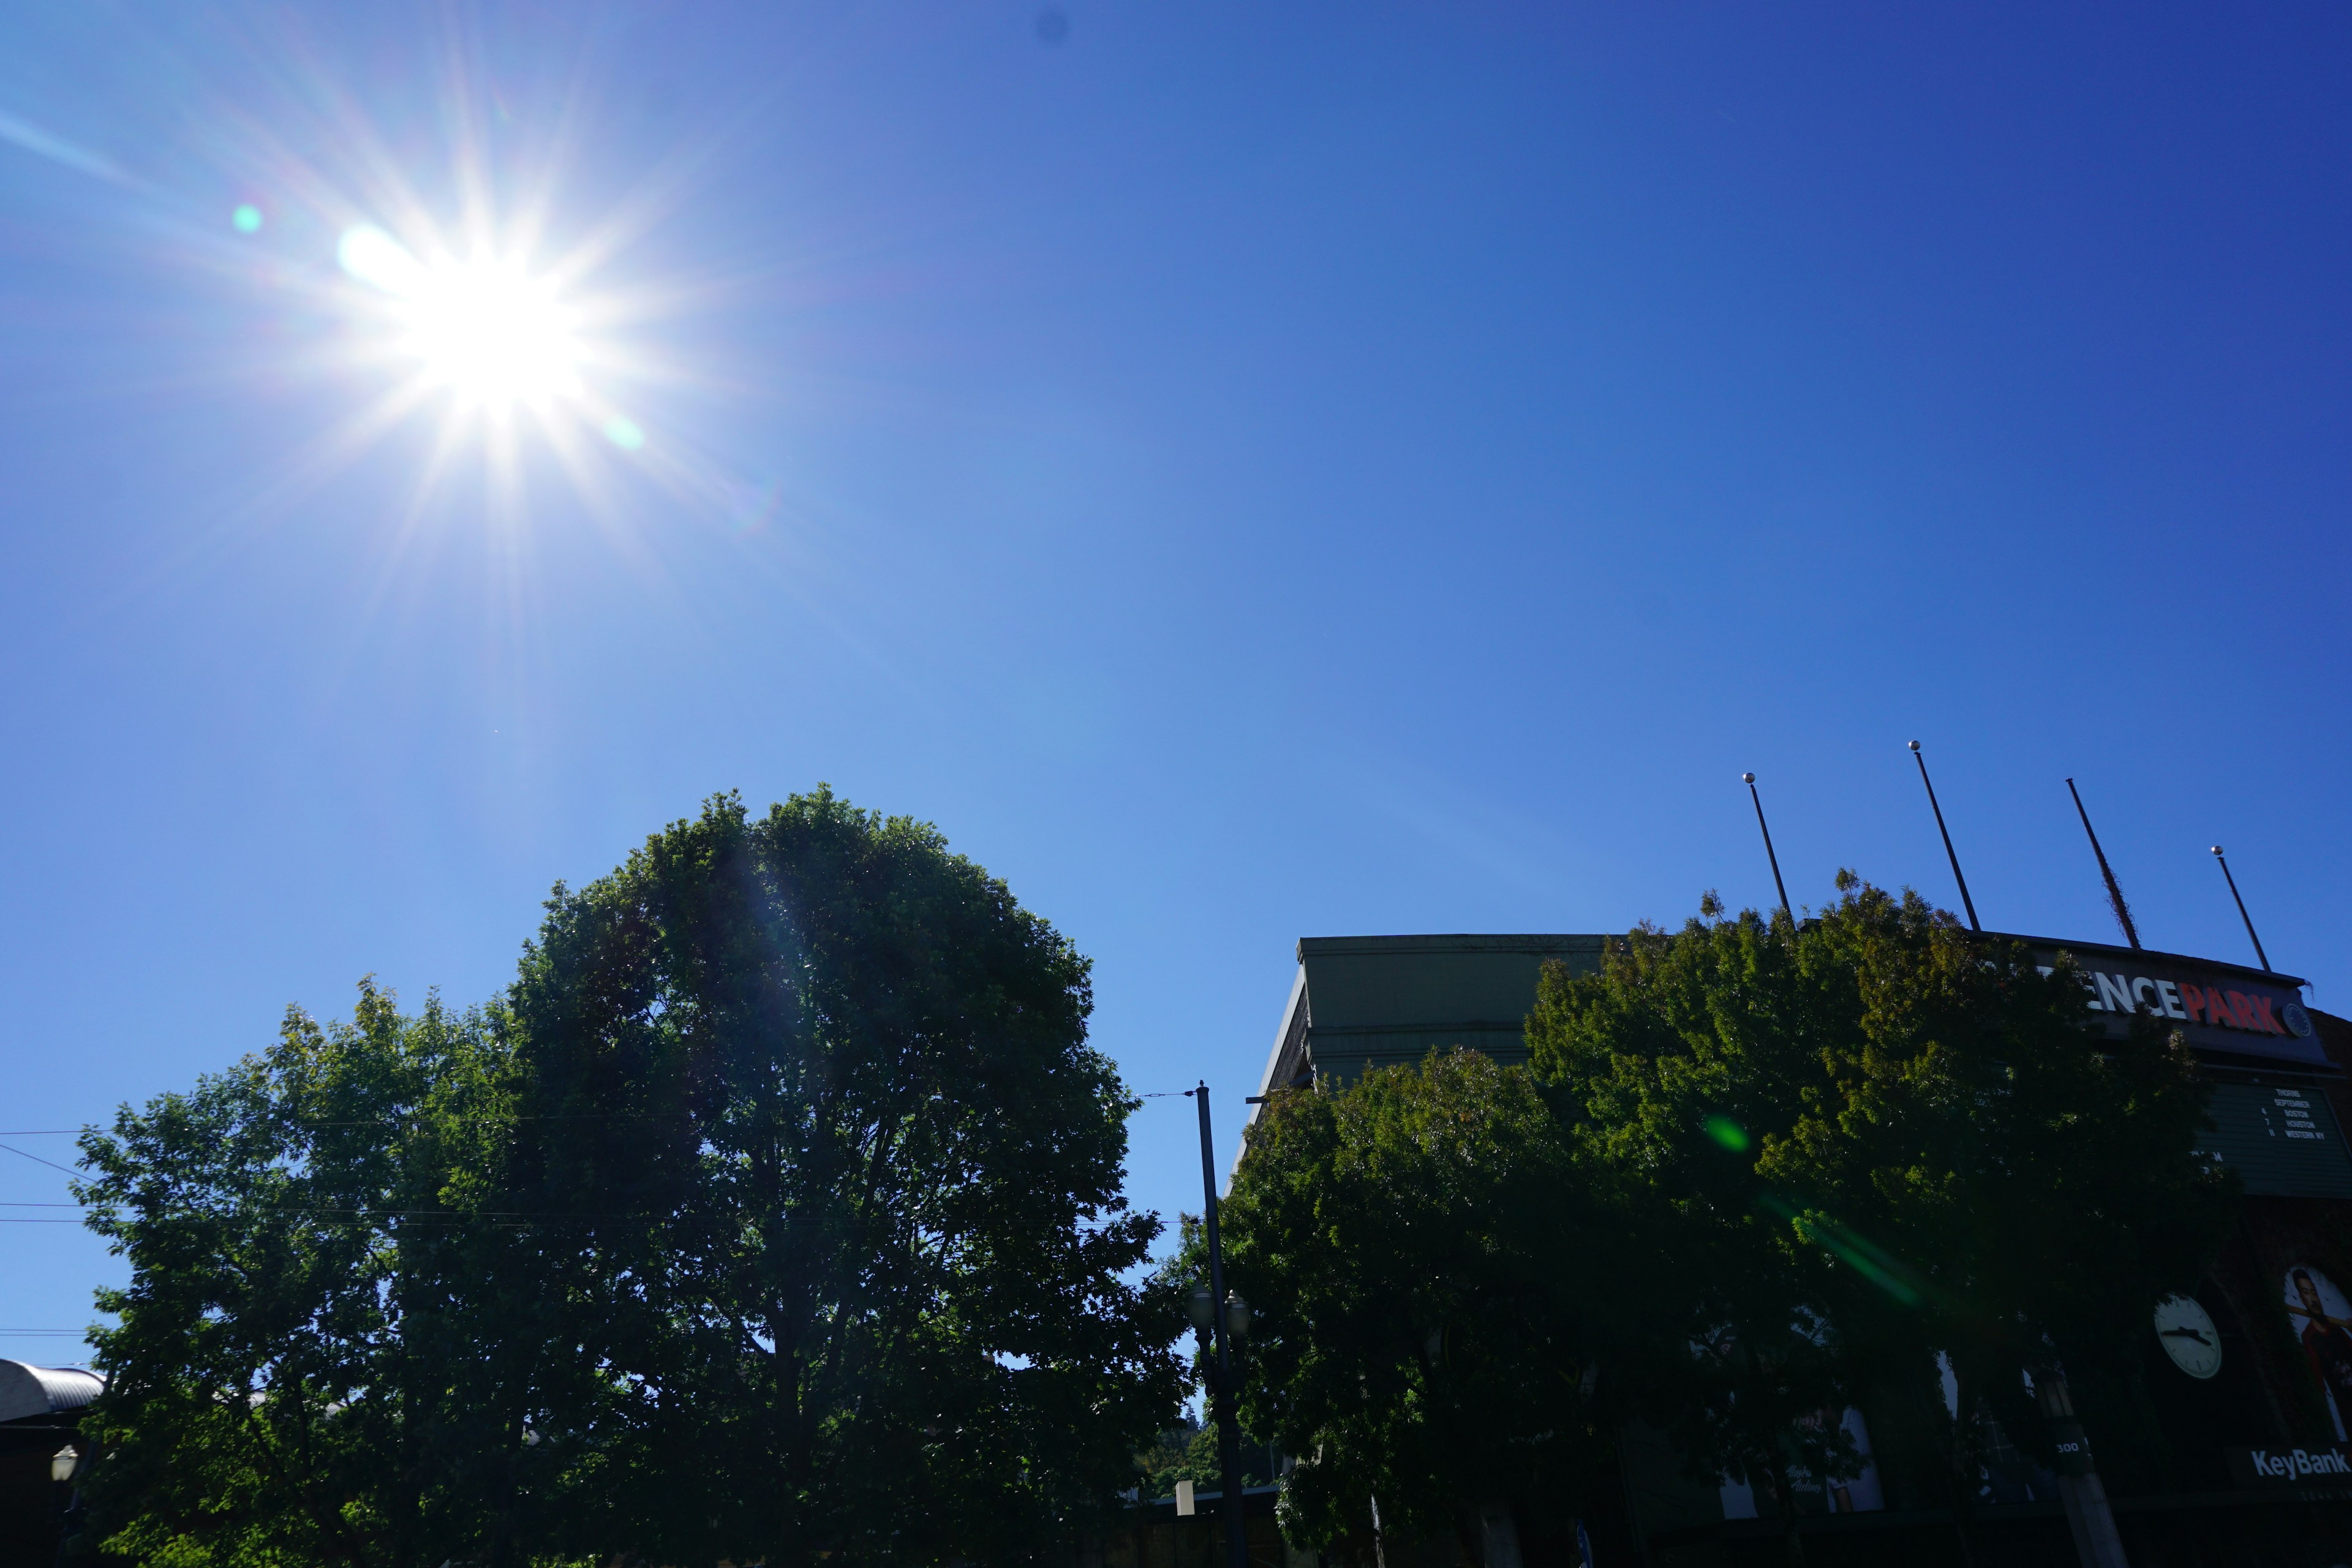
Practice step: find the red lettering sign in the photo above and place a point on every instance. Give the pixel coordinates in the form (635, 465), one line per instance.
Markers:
(2209, 1004)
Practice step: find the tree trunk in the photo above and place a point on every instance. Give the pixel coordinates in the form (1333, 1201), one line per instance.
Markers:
(1782, 1484)
(792, 1449)
(1963, 1462)
(1498, 1536)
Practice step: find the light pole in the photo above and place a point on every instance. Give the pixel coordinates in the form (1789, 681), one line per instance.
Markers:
(1218, 1329)
(1782, 888)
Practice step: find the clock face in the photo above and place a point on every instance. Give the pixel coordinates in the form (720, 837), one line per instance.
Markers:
(2186, 1331)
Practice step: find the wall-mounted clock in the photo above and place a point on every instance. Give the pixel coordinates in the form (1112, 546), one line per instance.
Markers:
(2186, 1331)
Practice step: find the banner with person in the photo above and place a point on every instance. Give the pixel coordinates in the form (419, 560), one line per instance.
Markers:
(2323, 1321)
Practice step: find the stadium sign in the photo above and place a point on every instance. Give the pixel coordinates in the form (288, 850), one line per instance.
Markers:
(2218, 1008)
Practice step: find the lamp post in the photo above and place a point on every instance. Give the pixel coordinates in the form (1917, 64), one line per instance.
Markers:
(1782, 888)
(1218, 1330)
(65, 1470)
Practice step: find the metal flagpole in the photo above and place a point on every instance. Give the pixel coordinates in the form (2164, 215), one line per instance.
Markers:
(2242, 911)
(2115, 889)
(1966, 902)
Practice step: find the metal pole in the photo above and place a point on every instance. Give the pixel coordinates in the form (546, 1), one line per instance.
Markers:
(1749, 780)
(2115, 889)
(2241, 911)
(1966, 902)
(1229, 1429)
(2089, 1516)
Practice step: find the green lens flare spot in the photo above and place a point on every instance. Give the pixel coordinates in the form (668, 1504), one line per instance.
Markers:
(246, 219)
(1728, 1132)
(623, 432)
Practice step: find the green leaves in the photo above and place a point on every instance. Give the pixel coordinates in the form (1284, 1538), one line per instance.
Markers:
(863, 1293)
(277, 1387)
(1758, 1170)
(775, 1213)
(1865, 1140)
(1412, 1244)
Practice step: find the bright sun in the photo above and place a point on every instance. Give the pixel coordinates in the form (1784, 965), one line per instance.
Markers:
(490, 335)
(483, 330)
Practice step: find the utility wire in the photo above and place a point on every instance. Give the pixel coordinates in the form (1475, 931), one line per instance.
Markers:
(36, 1160)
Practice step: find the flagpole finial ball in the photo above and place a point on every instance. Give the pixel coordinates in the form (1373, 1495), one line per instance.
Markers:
(1747, 778)
(2217, 849)
(1914, 745)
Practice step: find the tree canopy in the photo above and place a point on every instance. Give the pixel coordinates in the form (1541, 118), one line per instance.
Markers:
(299, 1374)
(775, 1212)
(1756, 1171)
(846, 1177)
(1425, 1298)
(1865, 1141)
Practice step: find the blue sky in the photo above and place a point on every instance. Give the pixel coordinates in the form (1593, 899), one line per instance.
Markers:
(1243, 473)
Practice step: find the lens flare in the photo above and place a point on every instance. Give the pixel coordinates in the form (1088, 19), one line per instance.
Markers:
(500, 339)
(372, 256)
(484, 330)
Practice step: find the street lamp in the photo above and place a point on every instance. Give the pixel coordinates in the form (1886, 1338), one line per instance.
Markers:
(1199, 1307)
(65, 1466)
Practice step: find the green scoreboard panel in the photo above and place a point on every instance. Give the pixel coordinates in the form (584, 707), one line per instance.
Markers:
(2282, 1141)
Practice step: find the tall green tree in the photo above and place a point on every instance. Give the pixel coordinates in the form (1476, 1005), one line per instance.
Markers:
(848, 1243)
(298, 1374)
(1426, 1332)
(774, 1213)
(1863, 1141)
(1670, 1068)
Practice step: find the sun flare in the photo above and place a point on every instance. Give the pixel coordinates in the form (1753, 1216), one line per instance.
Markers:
(492, 320)
(485, 331)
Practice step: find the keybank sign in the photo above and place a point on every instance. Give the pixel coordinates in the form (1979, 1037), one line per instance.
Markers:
(2266, 1468)
(2300, 1462)
(2241, 1012)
